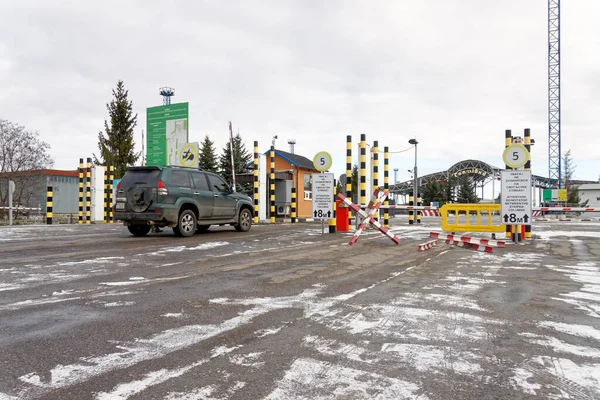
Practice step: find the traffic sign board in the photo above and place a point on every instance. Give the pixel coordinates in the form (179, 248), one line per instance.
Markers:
(516, 197)
(515, 155)
(322, 161)
(322, 196)
(189, 155)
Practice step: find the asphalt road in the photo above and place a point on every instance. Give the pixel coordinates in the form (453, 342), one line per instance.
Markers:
(284, 312)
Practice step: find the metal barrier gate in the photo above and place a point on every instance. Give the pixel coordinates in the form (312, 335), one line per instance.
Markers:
(452, 216)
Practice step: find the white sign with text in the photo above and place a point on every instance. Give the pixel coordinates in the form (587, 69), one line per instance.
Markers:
(322, 196)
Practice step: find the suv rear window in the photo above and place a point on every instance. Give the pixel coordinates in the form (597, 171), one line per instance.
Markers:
(141, 177)
(180, 178)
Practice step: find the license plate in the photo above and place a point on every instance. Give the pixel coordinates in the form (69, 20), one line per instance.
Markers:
(120, 206)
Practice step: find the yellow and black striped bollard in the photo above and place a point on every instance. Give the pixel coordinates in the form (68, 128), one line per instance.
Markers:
(49, 205)
(349, 172)
(256, 182)
(272, 184)
(111, 178)
(386, 187)
(332, 220)
(293, 207)
(81, 191)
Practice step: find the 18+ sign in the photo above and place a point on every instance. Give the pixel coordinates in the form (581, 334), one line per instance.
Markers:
(322, 196)
(516, 197)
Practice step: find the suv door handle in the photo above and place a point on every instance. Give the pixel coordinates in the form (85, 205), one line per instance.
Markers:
(215, 195)
(196, 193)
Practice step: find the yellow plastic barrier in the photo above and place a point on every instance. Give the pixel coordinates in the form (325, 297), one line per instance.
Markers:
(468, 218)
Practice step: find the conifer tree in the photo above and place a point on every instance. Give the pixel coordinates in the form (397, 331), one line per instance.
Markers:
(208, 158)
(432, 191)
(116, 143)
(241, 157)
(466, 191)
(573, 197)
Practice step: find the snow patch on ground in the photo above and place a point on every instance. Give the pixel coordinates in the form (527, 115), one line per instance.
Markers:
(520, 381)
(331, 381)
(562, 347)
(178, 249)
(221, 350)
(584, 331)
(547, 235)
(434, 358)
(247, 360)
(205, 393)
(266, 332)
(332, 347)
(172, 315)
(587, 375)
(588, 297)
(125, 390)
(119, 304)
(100, 260)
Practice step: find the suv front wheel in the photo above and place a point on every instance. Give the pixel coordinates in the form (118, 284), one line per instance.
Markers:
(244, 221)
(186, 224)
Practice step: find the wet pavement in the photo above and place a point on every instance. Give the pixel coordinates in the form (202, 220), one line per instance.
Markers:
(285, 312)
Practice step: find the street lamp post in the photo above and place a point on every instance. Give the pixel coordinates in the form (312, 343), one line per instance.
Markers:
(415, 184)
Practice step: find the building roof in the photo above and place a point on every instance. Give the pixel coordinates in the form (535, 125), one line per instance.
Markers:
(295, 159)
(589, 186)
(43, 172)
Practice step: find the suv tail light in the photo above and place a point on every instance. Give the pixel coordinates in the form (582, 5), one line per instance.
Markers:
(162, 189)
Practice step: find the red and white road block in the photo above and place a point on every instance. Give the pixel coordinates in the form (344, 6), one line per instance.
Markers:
(564, 209)
(428, 245)
(430, 213)
(378, 198)
(471, 246)
(468, 239)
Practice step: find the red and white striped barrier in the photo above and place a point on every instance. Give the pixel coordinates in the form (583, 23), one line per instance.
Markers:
(571, 209)
(410, 207)
(375, 203)
(430, 213)
(428, 245)
(471, 246)
(536, 213)
(468, 239)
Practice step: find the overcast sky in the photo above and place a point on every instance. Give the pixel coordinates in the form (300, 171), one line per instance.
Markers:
(455, 74)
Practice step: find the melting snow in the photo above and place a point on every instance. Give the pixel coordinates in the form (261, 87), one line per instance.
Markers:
(330, 381)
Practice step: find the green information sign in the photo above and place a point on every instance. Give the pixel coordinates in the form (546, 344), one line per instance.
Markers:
(547, 195)
(167, 133)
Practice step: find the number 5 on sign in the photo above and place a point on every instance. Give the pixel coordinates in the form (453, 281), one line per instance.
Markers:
(322, 161)
(515, 155)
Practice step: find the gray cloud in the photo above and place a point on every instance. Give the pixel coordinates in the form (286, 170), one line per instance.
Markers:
(455, 74)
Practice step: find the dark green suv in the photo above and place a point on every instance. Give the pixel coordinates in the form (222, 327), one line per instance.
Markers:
(185, 199)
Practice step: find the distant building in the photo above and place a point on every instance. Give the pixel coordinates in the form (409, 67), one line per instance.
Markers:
(591, 193)
(31, 189)
(291, 171)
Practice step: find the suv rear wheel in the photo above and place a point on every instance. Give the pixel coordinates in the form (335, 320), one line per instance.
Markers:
(244, 221)
(186, 224)
(139, 230)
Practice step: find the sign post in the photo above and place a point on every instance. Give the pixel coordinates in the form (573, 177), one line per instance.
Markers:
(516, 197)
(322, 201)
(515, 213)
(11, 189)
(322, 162)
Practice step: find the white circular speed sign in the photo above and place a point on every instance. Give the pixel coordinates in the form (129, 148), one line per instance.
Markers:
(322, 161)
(515, 155)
